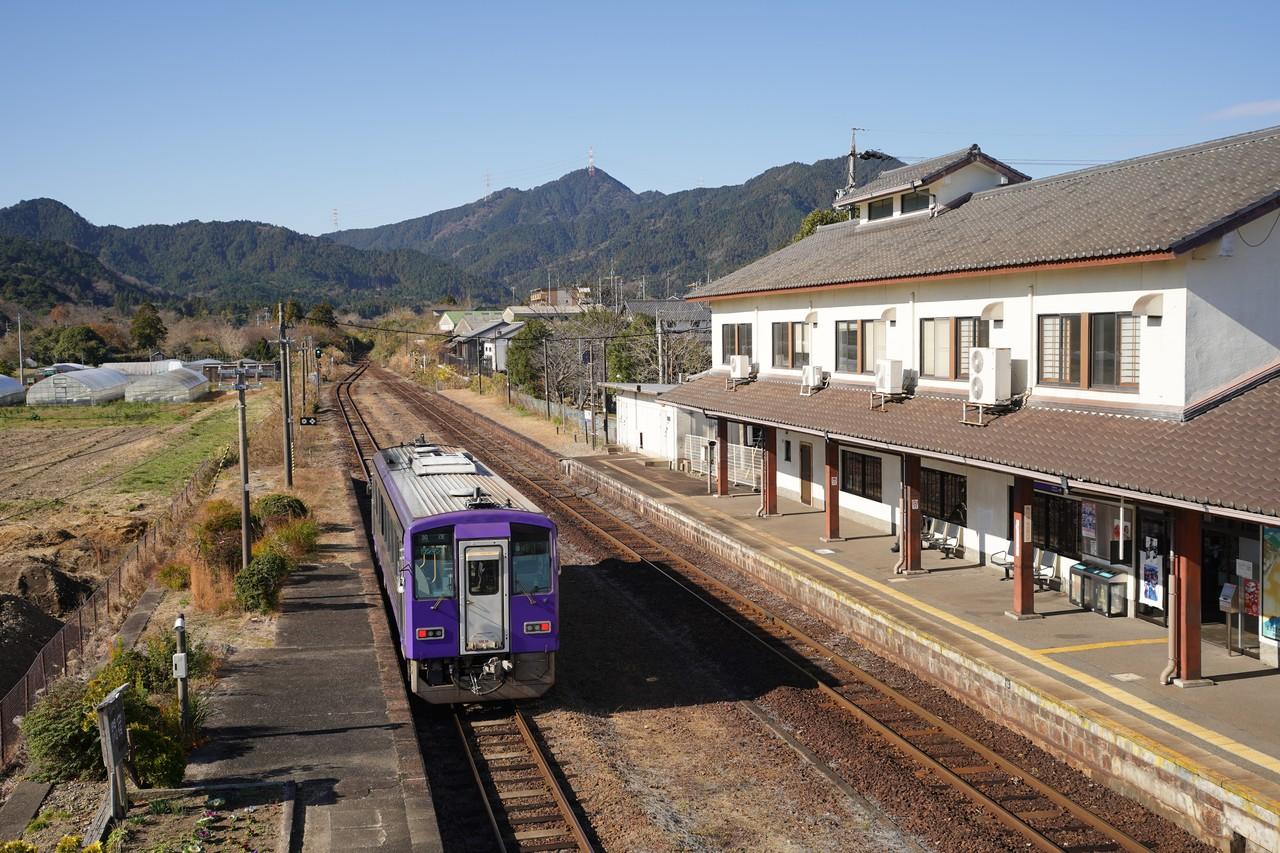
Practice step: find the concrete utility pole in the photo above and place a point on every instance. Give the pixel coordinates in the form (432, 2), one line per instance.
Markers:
(245, 555)
(287, 404)
(657, 325)
(22, 379)
(546, 377)
(302, 368)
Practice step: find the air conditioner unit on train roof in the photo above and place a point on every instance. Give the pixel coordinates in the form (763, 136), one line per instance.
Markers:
(443, 463)
(989, 376)
(889, 376)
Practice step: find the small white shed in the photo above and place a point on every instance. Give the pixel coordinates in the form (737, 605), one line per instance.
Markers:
(79, 388)
(11, 392)
(180, 385)
(644, 423)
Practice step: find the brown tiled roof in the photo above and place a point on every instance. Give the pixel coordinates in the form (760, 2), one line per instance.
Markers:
(1166, 202)
(1227, 457)
(925, 172)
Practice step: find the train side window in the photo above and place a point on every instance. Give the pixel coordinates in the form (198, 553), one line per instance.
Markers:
(433, 575)
(530, 559)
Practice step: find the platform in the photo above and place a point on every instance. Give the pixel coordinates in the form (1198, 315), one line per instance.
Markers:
(1098, 674)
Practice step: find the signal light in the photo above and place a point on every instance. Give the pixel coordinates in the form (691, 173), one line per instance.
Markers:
(537, 627)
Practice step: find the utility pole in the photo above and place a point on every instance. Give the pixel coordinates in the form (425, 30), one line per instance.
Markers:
(180, 672)
(658, 329)
(546, 377)
(286, 403)
(479, 368)
(302, 368)
(245, 555)
(604, 396)
(22, 379)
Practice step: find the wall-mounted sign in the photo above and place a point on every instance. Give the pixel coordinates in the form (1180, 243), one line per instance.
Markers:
(1271, 583)
(1051, 488)
(1244, 569)
(1089, 519)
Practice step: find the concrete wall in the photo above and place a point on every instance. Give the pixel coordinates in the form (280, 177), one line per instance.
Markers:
(1233, 313)
(645, 425)
(1020, 298)
(1208, 805)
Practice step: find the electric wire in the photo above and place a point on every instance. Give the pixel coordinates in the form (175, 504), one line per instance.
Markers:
(1270, 231)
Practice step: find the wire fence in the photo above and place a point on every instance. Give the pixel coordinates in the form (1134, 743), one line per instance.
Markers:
(82, 638)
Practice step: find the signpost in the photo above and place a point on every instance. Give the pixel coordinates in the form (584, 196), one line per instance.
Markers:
(114, 732)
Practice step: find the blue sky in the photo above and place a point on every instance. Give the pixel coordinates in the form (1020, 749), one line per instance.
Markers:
(138, 112)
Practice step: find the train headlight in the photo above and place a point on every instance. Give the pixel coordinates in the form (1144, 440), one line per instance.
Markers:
(430, 633)
(537, 627)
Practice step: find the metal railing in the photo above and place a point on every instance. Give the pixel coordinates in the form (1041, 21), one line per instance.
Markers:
(744, 461)
(73, 647)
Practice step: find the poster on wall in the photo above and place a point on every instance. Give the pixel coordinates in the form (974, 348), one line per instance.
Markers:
(1151, 590)
(1089, 520)
(1271, 582)
(1249, 588)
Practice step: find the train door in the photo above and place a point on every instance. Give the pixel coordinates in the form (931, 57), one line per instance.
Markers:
(484, 596)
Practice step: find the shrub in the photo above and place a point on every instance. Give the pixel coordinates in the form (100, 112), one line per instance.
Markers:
(258, 586)
(59, 745)
(156, 738)
(278, 508)
(18, 847)
(156, 667)
(217, 535)
(297, 540)
(174, 576)
(68, 844)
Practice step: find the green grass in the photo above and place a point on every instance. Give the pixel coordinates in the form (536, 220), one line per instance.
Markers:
(46, 819)
(118, 413)
(166, 472)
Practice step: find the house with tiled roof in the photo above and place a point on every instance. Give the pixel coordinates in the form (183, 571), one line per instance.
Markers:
(1076, 377)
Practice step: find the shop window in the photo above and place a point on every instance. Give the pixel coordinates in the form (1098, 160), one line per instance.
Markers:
(935, 348)
(735, 339)
(847, 346)
(880, 209)
(970, 332)
(1113, 351)
(790, 345)
(860, 474)
(873, 344)
(916, 201)
(943, 495)
(1060, 349)
(1055, 524)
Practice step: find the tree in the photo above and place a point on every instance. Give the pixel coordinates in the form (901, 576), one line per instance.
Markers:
(524, 356)
(292, 311)
(147, 329)
(821, 216)
(634, 357)
(80, 344)
(322, 315)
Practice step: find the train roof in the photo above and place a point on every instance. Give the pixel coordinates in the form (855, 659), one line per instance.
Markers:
(433, 480)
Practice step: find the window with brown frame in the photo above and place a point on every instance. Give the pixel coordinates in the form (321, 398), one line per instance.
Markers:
(918, 200)
(790, 345)
(970, 332)
(735, 339)
(1090, 350)
(935, 348)
(943, 495)
(846, 346)
(873, 344)
(860, 475)
(1113, 351)
(1060, 349)
(1055, 524)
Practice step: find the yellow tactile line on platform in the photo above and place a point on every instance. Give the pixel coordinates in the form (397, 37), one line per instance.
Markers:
(1181, 724)
(1039, 656)
(1110, 644)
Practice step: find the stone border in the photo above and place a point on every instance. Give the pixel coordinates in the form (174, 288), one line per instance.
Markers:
(1197, 798)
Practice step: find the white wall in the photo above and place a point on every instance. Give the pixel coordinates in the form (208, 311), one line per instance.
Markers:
(1233, 308)
(1022, 297)
(643, 416)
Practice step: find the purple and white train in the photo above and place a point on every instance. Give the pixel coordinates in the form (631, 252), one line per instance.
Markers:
(472, 570)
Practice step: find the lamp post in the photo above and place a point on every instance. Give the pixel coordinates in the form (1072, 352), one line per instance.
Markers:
(180, 670)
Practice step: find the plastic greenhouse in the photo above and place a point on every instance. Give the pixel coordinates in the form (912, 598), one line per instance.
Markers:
(179, 385)
(79, 388)
(11, 392)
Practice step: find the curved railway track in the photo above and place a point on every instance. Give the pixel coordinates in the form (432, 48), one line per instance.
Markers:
(1044, 817)
(526, 807)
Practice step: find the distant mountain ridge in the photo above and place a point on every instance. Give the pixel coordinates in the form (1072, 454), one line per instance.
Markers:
(246, 263)
(581, 224)
(39, 274)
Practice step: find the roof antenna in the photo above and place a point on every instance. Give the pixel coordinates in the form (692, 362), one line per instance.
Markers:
(852, 178)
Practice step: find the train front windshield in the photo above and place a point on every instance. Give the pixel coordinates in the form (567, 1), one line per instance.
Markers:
(433, 575)
(530, 559)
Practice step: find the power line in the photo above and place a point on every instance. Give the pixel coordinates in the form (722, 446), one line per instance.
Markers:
(447, 335)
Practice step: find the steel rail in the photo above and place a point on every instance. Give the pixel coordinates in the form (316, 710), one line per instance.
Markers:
(478, 779)
(553, 785)
(1005, 815)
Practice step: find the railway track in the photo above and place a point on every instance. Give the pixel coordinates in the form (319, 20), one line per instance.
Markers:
(1044, 817)
(525, 805)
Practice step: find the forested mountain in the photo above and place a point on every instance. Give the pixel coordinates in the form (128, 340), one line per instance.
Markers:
(579, 224)
(39, 274)
(248, 263)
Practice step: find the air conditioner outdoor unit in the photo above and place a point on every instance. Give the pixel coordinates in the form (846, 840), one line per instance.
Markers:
(739, 367)
(889, 376)
(811, 379)
(989, 373)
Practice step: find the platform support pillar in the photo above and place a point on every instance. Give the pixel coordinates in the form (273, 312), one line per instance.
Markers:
(1024, 604)
(831, 493)
(770, 484)
(1187, 546)
(722, 457)
(909, 529)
